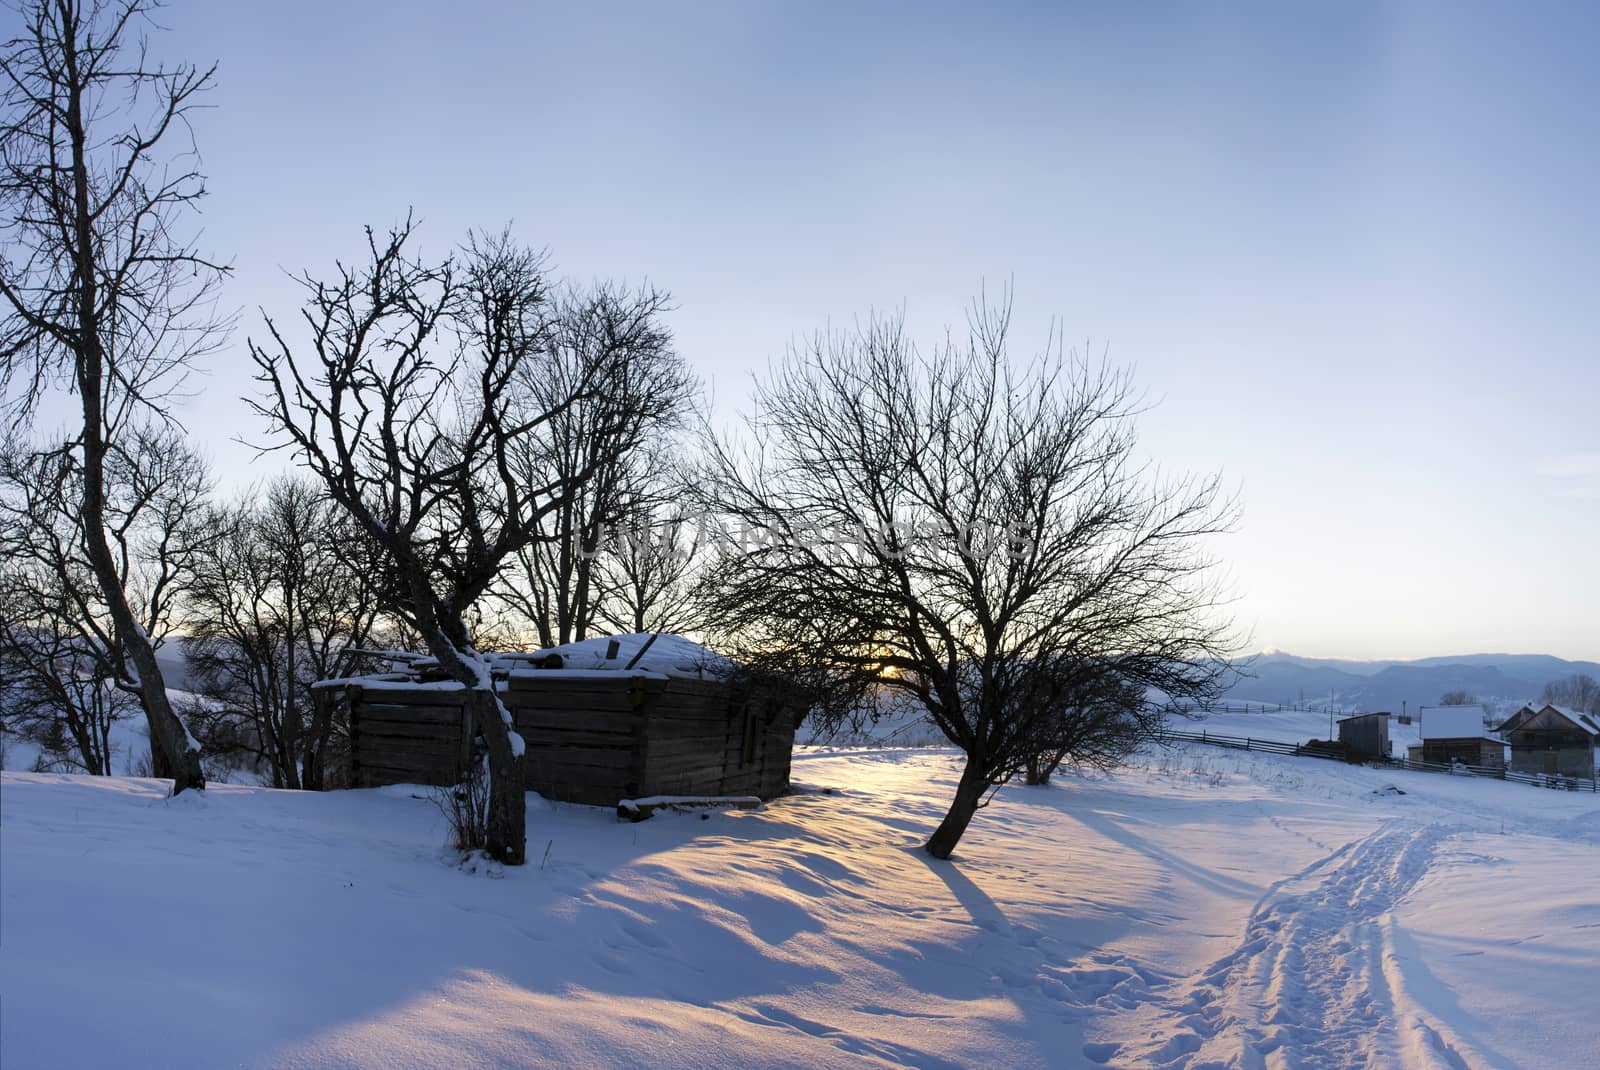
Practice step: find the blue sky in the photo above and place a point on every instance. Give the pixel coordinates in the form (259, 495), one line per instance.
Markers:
(1350, 248)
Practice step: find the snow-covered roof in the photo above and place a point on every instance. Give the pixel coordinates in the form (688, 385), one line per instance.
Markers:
(1588, 722)
(668, 655)
(1451, 722)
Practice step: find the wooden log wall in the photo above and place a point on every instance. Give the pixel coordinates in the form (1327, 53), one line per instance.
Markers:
(584, 734)
(705, 738)
(407, 736)
(590, 739)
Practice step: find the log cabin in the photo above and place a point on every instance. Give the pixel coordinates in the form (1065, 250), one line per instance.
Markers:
(598, 733)
(1552, 740)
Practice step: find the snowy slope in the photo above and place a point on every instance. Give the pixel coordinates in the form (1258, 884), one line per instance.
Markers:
(1203, 907)
(1287, 726)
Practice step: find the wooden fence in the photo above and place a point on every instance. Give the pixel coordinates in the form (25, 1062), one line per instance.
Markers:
(1556, 781)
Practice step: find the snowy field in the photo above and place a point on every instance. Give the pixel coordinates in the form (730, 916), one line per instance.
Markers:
(1289, 726)
(1202, 908)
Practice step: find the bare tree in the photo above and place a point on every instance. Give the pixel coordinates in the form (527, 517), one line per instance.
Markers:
(562, 587)
(1457, 698)
(1579, 691)
(648, 565)
(97, 284)
(283, 595)
(58, 637)
(403, 403)
(1084, 714)
(57, 691)
(964, 533)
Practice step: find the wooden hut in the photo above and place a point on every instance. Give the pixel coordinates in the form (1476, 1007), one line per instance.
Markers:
(1552, 740)
(594, 736)
(1365, 736)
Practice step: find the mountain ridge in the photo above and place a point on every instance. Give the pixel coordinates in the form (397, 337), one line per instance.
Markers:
(1497, 680)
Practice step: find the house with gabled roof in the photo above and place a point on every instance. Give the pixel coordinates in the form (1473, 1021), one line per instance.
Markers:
(1551, 739)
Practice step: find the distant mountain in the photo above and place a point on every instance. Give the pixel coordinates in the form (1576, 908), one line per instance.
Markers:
(1499, 680)
(174, 670)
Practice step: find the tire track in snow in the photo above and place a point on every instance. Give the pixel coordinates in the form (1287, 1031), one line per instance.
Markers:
(1316, 982)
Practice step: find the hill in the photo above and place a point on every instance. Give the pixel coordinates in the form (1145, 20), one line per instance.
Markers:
(1502, 681)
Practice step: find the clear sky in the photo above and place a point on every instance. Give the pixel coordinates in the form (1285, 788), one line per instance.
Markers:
(1353, 249)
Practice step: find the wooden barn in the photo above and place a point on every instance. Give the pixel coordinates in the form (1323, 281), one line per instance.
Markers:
(593, 735)
(1451, 734)
(1552, 740)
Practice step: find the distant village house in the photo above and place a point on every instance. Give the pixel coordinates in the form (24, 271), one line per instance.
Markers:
(1552, 740)
(1451, 734)
(1365, 736)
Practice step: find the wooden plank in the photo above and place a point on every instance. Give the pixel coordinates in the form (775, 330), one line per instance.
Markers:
(372, 744)
(687, 706)
(592, 796)
(400, 715)
(422, 696)
(687, 760)
(411, 729)
(411, 761)
(717, 722)
(595, 757)
(610, 721)
(575, 691)
(699, 774)
(379, 775)
(564, 699)
(683, 686)
(682, 730)
(708, 745)
(745, 784)
(576, 711)
(397, 711)
(545, 737)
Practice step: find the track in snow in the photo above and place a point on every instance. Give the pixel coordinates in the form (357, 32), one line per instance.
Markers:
(1315, 982)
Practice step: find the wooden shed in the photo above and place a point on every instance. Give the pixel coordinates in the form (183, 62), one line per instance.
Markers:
(1451, 734)
(1553, 740)
(593, 736)
(1365, 736)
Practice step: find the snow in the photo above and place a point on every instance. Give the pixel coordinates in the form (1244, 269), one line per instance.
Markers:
(1289, 726)
(668, 655)
(584, 674)
(747, 802)
(1452, 722)
(1201, 907)
(383, 683)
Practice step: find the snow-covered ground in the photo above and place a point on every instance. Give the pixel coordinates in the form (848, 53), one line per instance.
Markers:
(1200, 908)
(1288, 726)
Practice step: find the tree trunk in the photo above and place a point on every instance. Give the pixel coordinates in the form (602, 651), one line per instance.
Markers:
(1040, 768)
(312, 760)
(969, 795)
(171, 750)
(508, 807)
(89, 354)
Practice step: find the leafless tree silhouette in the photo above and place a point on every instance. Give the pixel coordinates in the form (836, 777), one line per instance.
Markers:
(972, 534)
